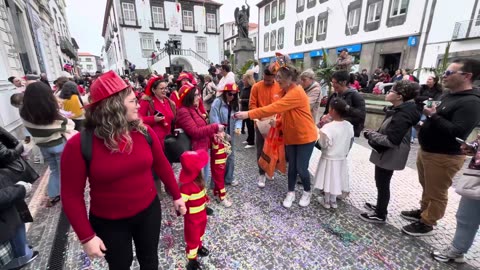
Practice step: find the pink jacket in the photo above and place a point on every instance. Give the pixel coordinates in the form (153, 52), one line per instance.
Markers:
(195, 126)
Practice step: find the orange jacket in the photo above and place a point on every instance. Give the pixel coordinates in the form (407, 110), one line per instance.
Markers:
(297, 121)
(262, 95)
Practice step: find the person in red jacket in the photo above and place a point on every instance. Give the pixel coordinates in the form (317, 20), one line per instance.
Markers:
(124, 205)
(192, 188)
(156, 109)
(183, 78)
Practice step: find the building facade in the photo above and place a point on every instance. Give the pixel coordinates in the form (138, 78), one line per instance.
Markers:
(135, 32)
(229, 34)
(377, 33)
(87, 63)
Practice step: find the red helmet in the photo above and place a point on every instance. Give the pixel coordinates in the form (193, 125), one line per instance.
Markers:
(230, 87)
(148, 88)
(106, 85)
(187, 87)
(192, 165)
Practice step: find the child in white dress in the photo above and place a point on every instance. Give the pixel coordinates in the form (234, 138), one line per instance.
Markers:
(336, 139)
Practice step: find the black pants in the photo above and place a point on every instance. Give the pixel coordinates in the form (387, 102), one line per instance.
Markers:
(143, 228)
(382, 180)
(251, 131)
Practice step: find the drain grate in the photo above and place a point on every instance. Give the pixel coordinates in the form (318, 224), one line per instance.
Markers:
(55, 262)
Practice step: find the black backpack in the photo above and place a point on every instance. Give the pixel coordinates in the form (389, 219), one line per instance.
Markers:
(86, 143)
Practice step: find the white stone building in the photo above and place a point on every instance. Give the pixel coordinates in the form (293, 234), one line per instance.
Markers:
(229, 34)
(87, 63)
(132, 28)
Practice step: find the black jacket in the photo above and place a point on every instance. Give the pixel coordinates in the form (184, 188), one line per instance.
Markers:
(457, 115)
(426, 93)
(245, 98)
(356, 115)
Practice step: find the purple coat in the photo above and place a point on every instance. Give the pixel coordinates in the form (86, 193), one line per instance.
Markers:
(195, 126)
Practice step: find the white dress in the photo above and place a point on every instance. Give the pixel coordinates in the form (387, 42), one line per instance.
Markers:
(336, 139)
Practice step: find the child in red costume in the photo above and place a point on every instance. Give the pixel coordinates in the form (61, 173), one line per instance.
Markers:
(220, 150)
(192, 188)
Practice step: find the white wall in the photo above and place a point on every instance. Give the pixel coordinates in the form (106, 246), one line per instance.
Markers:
(336, 25)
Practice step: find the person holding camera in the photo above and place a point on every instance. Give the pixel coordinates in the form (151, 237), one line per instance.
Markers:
(391, 144)
(156, 109)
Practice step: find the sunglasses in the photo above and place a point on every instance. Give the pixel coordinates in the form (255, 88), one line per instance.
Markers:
(451, 72)
(230, 94)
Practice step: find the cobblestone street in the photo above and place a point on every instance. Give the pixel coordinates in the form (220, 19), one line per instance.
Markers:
(258, 233)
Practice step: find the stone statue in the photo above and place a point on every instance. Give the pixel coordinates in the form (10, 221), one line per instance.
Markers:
(241, 19)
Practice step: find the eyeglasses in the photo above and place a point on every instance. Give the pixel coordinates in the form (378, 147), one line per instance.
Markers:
(451, 72)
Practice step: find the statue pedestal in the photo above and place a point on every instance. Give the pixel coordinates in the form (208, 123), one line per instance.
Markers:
(244, 50)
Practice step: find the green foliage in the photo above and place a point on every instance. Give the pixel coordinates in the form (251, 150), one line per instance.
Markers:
(244, 69)
(227, 53)
(326, 70)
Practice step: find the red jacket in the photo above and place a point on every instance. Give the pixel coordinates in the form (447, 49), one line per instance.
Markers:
(162, 129)
(196, 127)
(121, 184)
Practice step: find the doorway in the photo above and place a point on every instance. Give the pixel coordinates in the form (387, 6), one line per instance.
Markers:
(391, 62)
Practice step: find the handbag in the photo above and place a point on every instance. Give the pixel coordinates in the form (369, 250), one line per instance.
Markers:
(176, 144)
(20, 170)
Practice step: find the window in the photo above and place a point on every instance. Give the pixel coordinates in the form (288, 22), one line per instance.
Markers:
(311, 3)
(157, 17)
(227, 46)
(211, 23)
(254, 40)
(322, 26)
(298, 33)
(280, 38)
(89, 67)
(88, 59)
(477, 22)
(374, 12)
(300, 3)
(267, 14)
(129, 13)
(309, 30)
(274, 11)
(281, 10)
(266, 42)
(354, 18)
(187, 20)
(273, 40)
(147, 44)
(399, 7)
(202, 46)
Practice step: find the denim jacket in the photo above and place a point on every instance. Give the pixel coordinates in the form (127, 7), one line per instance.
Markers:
(219, 115)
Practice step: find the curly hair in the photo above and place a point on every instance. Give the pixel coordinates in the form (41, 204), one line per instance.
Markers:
(407, 89)
(109, 122)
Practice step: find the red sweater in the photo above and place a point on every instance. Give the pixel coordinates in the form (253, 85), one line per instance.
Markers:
(121, 184)
(148, 117)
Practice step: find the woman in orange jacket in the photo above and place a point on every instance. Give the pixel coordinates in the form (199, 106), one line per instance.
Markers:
(299, 131)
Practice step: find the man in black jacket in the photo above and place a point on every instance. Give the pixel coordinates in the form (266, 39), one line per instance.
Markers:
(440, 156)
(356, 113)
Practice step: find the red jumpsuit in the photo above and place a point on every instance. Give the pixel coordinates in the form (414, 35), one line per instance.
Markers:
(218, 163)
(195, 221)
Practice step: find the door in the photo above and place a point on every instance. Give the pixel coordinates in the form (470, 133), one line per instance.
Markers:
(391, 62)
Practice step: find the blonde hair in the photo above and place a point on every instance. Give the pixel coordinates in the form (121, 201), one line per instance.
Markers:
(249, 78)
(108, 121)
(308, 73)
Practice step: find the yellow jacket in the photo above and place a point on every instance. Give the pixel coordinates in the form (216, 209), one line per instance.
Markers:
(73, 105)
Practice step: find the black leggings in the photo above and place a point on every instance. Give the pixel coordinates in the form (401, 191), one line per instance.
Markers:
(382, 180)
(117, 235)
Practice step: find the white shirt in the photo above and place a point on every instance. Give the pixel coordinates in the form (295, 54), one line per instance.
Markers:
(228, 79)
(256, 69)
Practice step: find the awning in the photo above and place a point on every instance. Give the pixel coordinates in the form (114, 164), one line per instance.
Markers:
(317, 53)
(296, 56)
(265, 60)
(351, 48)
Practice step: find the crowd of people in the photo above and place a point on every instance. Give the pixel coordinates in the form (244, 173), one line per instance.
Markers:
(128, 122)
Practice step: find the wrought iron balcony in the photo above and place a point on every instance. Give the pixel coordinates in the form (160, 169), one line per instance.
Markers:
(66, 47)
(466, 29)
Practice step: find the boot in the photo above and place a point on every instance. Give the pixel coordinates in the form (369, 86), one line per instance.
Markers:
(193, 265)
(203, 252)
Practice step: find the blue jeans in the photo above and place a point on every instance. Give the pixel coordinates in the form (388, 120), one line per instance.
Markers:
(52, 157)
(21, 251)
(414, 131)
(298, 156)
(206, 172)
(468, 220)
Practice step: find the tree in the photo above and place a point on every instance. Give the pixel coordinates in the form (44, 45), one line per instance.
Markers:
(326, 71)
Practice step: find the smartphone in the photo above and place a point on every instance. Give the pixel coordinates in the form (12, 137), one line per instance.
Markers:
(159, 114)
(460, 141)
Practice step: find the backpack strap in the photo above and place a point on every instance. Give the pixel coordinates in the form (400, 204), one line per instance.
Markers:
(149, 139)
(86, 144)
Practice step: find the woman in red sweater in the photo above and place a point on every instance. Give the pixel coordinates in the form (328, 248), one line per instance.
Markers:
(123, 197)
(156, 109)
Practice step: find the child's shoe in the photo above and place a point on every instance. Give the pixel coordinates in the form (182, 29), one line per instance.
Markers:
(334, 205)
(193, 265)
(203, 252)
(324, 203)
(225, 202)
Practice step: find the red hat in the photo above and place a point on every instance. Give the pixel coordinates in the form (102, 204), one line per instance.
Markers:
(230, 87)
(106, 85)
(183, 75)
(187, 87)
(148, 88)
(192, 164)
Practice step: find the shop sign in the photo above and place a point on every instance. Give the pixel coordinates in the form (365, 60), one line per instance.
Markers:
(296, 56)
(413, 41)
(317, 53)
(265, 60)
(351, 48)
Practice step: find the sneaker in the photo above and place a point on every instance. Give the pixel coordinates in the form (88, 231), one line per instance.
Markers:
(193, 265)
(235, 183)
(226, 202)
(34, 256)
(334, 205)
(287, 203)
(203, 252)
(261, 181)
(325, 204)
(305, 200)
(244, 142)
(370, 206)
(249, 146)
(418, 229)
(372, 218)
(448, 255)
(209, 211)
(413, 215)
